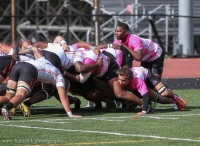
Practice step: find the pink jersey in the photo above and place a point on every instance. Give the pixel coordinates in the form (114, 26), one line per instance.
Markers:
(87, 56)
(117, 53)
(138, 80)
(150, 50)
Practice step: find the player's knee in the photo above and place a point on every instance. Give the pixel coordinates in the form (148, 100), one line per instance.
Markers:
(9, 95)
(163, 90)
(24, 87)
(49, 92)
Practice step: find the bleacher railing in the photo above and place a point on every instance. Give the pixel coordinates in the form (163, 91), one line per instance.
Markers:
(135, 15)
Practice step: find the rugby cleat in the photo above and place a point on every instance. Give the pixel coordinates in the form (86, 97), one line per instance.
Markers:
(13, 111)
(25, 109)
(90, 104)
(6, 113)
(181, 104)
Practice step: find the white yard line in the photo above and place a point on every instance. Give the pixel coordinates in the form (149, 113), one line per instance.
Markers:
(156, 117)
(176, 115)
(117, 119)
(64, 119)
(103, 132)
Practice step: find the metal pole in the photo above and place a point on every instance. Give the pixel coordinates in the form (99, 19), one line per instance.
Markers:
(96, 22)
(37, 20)
(136, 5)
(13, 26)
(185, 34)
(167, 7)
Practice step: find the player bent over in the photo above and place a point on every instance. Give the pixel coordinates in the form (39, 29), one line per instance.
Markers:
(140, 79)
(22, 78)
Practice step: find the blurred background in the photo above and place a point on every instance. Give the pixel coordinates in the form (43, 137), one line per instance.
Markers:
(173, 24)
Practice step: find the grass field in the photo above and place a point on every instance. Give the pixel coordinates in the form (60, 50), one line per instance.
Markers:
(49, 125)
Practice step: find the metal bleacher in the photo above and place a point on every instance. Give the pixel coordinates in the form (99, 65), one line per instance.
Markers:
(150, 5)
(165, 14)
(137, 15)
(72, 19)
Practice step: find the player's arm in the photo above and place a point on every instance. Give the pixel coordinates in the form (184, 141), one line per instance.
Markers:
(83, 68)
(81, 78)
(144, 92)
(41, 45)
(25, 45)
(123, 94)
(137, 55)
(32, 50)
(103, 46)
(65, 102)
(82, 44)
(145, 103)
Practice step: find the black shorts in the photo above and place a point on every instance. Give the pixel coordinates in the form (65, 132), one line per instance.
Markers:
(6, 64)
(82, 88)
(52, 57)
(111, 72)
(151, 80)
(24, 71)
(155, 66)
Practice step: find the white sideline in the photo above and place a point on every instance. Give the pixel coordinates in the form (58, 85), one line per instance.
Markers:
(103, 132)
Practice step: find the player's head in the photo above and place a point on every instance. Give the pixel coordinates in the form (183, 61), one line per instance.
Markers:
(124, 76)
(121, 31)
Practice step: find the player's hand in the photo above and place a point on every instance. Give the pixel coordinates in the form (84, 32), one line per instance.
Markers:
(138, 115)
(99, 61)
(66, 47)
(75, 116)
(96, 51)
(115, 46)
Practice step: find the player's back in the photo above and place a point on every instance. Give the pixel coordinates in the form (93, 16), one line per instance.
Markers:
(47, 73)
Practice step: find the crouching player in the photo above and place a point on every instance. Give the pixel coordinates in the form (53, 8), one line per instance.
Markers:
(148, 85)
(22, 78)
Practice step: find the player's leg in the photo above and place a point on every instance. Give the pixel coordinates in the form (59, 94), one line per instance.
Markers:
(166, 92)
(23, 89)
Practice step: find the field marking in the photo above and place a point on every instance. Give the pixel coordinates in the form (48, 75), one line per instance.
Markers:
(180, 115)
(154, 116)
(165, 118)
(51, 121)
(43, 121)
(105, 142)
(103, 132)
(66, 119)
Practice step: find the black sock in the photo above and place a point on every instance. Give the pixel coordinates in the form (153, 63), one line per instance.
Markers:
(27, 103)
(9, 105)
